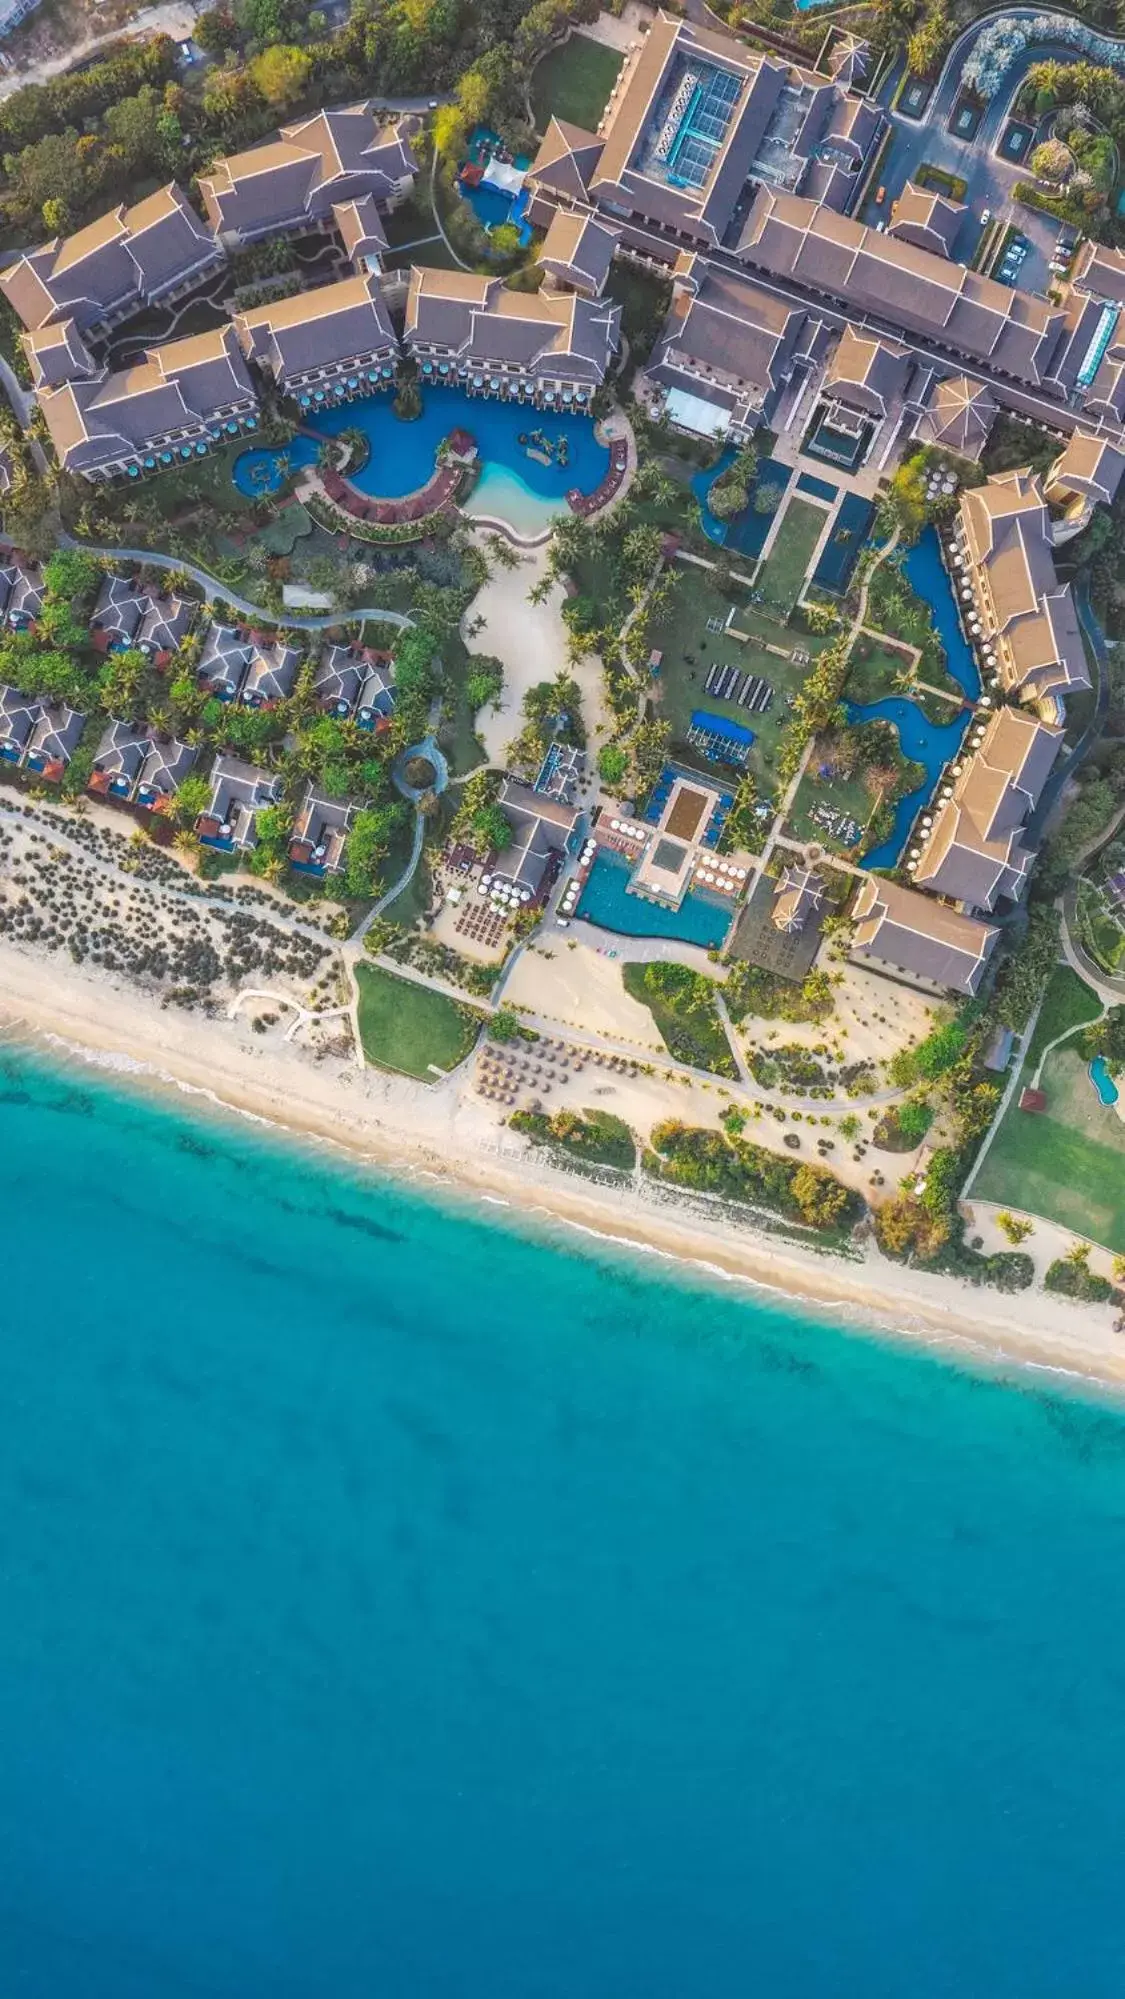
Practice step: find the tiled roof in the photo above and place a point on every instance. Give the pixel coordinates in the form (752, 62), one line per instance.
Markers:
(334, 156)
(178, 387)
(479, 320)
(921, 937)
(324, 328)
(126, 256)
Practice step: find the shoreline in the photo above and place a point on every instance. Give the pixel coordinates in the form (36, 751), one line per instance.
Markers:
(435, 1138)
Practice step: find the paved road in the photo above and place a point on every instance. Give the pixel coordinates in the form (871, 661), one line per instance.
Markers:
(176, 19)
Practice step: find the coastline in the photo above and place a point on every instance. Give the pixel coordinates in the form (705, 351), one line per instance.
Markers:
(438, 1137)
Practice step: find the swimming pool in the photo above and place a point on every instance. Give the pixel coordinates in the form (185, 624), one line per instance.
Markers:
(925, 571)
(605, 900)
(512, 486)
(266, 470)
(1103, 1082)
(925, 742)
(746, 532)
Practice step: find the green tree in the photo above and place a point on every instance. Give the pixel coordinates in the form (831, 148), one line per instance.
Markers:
(492, 828)
(192, 799)
(613, 762)
(280, 74)
(56, 216)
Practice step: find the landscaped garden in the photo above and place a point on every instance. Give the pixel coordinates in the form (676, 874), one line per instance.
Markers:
(573, 82)
(410, 1028)
(782, 573)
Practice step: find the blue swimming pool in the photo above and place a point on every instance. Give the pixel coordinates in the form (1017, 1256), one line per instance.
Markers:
(924, 742)
(605, 900)
(493, 206)
(746, 533)
(1103, 1082)
(517, 488)
(926, 573)
(264, 470)
(817, 489)
(845, 543)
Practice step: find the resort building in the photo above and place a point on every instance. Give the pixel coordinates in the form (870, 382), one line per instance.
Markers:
(868, 375)
(359, 226)
(356, 682)
(55, 735)
(798, 899)
(577, 253)
(930, 220)
(727, 351)
(167, 408)
(693, 117)
(545, 832)
(140, 766)
(296, 180)
(126, 260)
(1088, 471)
(1003, 543)
(1100, 271)
(334, 342)
(239, 792)
(919, 940)
(127, 615)
(320, 835)
(476, 333)
(958, 416)
(21, 594)
(236, 665)
(57, 353)
(973, 853)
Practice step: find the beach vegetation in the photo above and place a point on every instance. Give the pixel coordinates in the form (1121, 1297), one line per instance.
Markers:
(596, 1137)
(1071, 1277)
(682, 1004)
(716, 1162)
(1016, 1228)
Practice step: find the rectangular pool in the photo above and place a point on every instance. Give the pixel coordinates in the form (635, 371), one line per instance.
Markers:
(605, 900)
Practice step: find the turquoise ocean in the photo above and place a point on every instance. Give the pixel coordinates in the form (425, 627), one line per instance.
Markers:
(393, 1606)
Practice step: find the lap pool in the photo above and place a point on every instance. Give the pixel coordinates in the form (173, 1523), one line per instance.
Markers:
(700, 919)
(512, 486)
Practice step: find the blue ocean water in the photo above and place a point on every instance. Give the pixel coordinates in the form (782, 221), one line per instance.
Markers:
(397, 1606)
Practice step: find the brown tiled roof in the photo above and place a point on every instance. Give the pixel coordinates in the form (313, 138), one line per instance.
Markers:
(1100, 270)
(566, 159)
(872, 374)
(334, 156)
(1090, 466)
(959, 416)
(741, 336)
(127, 255)
(928, 219)
(325, 328)
(361, 227)
(176, 387)
(912, 933)
(579, 250)
(973, 853)
(479, 320)
(57, 353)
(1008, 536)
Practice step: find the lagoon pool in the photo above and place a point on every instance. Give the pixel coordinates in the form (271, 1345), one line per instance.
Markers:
(512, 486)
(924, 742)
(606, 901)
(265, 470)
(925, 571)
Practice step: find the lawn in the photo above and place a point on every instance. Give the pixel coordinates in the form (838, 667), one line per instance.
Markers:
(690, 650)
(782, 572)
(407, 1027)
(873, 668)
(1067, 1003)
(1066, 1163)
(847, 796)
(691, 1032)
(573, 82)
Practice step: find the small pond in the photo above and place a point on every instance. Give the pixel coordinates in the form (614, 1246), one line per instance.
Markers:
(1103, 1082)
(924, 742)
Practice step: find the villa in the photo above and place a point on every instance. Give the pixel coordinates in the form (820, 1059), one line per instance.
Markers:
(126, 260)
(973, 853)
(272, 673)
(355, 682)
(320, 835)
(238, 666)
(56, 354)
(18, 716)
(239, 792)
(798, 899)
(479, 334)
(727, 351)
(1087, 471)
(136, 765)
(577, 253)
(1004, 542)
(296, 180)
(55, 736)
(127, 615)
(21, 594)
(918, 939)
(170, 406)
(544, 829)
(224, 661)
(336, 337)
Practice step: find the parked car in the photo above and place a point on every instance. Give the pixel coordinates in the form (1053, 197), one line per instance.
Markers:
(985, 215)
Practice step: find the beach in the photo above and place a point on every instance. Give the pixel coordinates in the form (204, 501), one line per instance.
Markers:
(444, 1133)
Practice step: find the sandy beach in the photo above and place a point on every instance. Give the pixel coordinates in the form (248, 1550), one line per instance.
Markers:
(445, 1134)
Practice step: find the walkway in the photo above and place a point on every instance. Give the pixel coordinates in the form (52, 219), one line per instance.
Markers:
(22, 401)
(455, 254)
(218, 592)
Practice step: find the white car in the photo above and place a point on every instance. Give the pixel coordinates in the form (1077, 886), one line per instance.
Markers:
(985, 215)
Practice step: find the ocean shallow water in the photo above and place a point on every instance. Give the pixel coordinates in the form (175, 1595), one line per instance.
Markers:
(395, 1604)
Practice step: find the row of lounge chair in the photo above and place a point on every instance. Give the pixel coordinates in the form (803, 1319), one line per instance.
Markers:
(745, 690)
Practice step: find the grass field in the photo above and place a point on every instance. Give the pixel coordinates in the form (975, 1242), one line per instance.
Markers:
(1066, 1163)
(783, 570)
(573, 82)
(690, 650)
(1067, 1003)
(406, 1027)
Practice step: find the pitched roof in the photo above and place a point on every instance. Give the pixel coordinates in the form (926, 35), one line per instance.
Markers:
(834, 255)
(566, 159)
(1090, 466)
(869, 373)
(741, 337)
(973, 852)
(1100, 271)
(57, 353)
(912, 933)
(958, 416)
(178, 387)
(331, 157)
(324, 328)
(1008, 537)
(479, 319)
(579, 250)
(361, 229)
(127, 254)
(931, 220)
(798, 895)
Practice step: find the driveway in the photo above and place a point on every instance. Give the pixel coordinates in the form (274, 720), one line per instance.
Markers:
(177, 19)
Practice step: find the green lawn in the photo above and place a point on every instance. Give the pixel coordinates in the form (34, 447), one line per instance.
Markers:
(682, 681)
(573, 82)
(1067, 1003)
(873, 667)
(1066, 1163)
(406, 1027)
(782, 572)
(847, 795)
